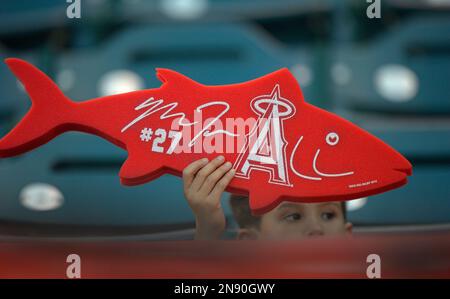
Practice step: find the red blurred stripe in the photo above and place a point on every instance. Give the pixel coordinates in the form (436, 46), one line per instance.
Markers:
(402, 256)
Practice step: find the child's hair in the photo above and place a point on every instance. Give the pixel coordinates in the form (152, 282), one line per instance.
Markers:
(243, 215)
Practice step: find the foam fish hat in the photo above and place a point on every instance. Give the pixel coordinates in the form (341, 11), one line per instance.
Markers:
(282, 148)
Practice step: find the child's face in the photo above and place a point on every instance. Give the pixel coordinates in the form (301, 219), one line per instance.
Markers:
(302, 220)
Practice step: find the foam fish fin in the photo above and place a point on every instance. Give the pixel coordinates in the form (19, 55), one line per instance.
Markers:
(173, 77)
(290, 80)
(262, 202)
(136, 171)
(285, 83)
(131, 173)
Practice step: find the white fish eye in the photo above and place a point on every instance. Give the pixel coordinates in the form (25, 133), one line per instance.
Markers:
(332, 138)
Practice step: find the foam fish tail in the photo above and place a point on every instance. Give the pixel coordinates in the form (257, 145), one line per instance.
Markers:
(50, 111)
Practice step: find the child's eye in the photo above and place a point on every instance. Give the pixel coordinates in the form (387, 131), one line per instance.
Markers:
(293, 217)
(328, 216)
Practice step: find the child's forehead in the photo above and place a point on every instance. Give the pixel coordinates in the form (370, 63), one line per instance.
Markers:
(289, 204)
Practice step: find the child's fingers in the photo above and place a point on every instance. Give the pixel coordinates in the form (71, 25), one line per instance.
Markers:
(214, 177)
(190, 171)
(201, 175)
(219, 188)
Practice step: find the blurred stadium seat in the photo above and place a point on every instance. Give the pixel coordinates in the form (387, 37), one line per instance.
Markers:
(217, 10)
(426, 144)
(87, 178)
(30, 16)
(403, 68)
(213, 54)
(22, 16)
(388, 76)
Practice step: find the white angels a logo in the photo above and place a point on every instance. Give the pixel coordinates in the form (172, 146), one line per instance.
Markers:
(265, 147)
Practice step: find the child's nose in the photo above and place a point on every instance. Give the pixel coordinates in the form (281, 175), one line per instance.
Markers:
(314, 229)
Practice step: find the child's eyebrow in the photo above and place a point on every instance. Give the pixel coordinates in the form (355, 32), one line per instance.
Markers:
(287, 205)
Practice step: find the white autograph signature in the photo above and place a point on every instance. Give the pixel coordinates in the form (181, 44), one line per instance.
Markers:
(156, 105)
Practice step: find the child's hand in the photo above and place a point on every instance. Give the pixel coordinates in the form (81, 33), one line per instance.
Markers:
(204, 184)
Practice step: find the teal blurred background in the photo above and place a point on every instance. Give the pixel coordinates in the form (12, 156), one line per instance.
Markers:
(390, 76)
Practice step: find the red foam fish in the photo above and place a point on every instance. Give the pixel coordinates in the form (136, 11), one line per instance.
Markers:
(282, 148)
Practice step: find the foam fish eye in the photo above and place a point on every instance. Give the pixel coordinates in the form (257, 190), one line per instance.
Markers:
(332, 138)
